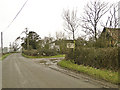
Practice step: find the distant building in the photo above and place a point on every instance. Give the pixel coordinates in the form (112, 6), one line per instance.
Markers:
(59, 44)
(5, 50)
(11, 50)
(110, 37)
(54, 46)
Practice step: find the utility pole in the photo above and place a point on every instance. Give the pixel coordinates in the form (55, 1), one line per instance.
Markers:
(27, 39)
(1, 43)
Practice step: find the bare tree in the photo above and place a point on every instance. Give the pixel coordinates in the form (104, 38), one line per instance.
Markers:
(71, 21)
(26, 32)
(93, 12)
(15, 46)
(60, 36)
(112, 20)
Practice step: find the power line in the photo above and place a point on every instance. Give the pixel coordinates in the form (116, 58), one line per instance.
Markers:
(11, 23)
(17, 14)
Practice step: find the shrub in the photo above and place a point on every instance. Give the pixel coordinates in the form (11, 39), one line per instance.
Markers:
(47, 52)
(69, 55)
(41, 52)
(104, 58)
(30, 52)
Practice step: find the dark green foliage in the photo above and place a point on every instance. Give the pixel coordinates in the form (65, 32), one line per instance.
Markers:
(80, 42)
(103, 58)
(63, 46)
(69, 55)
(33, 40)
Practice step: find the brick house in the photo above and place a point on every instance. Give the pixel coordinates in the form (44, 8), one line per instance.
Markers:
(110, 37)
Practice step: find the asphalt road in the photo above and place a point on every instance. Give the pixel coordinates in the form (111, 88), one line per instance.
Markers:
(0, 75)
(20, 72)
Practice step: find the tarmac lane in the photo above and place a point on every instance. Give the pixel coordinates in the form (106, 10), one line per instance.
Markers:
(20, 72)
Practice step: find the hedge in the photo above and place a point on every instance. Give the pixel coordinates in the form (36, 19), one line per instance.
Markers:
(42, 52)
(101, 58)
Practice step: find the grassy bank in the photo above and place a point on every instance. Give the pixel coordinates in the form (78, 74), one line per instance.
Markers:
(110, 76)
(4, 56)
(56, 56)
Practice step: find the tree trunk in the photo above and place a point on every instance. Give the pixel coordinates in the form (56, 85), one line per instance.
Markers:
(73, 35)
(95, 28)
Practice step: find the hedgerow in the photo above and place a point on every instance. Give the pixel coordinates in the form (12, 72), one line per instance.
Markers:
(41, 52)
(103, 58)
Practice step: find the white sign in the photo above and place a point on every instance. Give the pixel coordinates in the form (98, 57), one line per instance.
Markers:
(70, 45)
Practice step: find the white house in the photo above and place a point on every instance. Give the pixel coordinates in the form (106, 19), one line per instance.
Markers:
(54, 46)
(5, 50)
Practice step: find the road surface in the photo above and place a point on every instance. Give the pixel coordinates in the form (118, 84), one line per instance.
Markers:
(0, 75)
(20, 72)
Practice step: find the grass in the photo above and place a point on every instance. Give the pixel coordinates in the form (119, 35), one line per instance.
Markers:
(56, 56)
(106, 75)
(4, 56)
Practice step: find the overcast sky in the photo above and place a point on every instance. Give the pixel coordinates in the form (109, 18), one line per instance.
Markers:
(41, 16)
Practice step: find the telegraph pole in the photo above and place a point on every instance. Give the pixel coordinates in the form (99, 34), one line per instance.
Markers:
(27, 38)
(10, 24)
(1, 43)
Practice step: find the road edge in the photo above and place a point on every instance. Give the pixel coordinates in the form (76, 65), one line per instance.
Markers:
(77, 75)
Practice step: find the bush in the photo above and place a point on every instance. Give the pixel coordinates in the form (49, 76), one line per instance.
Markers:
(69, 54)
(103, 58)
(47, 52)
(30, 52)
(41, 52)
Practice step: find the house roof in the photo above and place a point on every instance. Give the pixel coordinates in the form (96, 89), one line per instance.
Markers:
(113, 32)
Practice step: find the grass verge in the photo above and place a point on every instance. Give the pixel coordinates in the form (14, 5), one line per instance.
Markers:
(4, 56)
(56, 56)
(106, 75)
